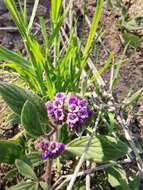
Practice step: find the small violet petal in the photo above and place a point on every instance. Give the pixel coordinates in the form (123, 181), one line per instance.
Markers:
(72, 118)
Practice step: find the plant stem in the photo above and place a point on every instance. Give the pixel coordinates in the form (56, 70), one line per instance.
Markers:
(47, 175)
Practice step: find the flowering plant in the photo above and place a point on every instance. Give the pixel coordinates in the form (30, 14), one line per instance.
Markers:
(62, 115)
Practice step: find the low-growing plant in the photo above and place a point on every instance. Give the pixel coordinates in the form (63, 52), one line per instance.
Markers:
(64, 111)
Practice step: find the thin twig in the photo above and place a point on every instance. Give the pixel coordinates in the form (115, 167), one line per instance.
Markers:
(88, 176)
(8, 28)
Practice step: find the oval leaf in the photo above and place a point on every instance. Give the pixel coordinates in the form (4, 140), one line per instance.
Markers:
(9, 150)
(102, 148)
(30, 120)
(117, 178)
(32, 159)
(44, 185)
(23, 186)
(15, 97)
(25, 170)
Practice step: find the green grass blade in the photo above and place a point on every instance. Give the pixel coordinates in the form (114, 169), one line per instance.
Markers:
(93, 29)
(45, 36)
(11, 56)
(106, 66)
(55, 10)
(33, 15)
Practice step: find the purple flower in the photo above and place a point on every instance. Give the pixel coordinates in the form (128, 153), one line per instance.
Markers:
(45, 155)
(59, 115)
(57, 103)
(53, 145)
(73, 108)
(83, 113)
(72, 118)
(61, 147)
(90, 112)
(49, 106)
(45, 145)
(61, 95)
(81, 121)
(83, 103)
(49, 149)
(73, 100)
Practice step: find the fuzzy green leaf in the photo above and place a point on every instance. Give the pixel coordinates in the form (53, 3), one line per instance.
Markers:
(30, 120)
(33, 159)
(102, 148)
(13, 119)
(117, 178)
(15, 97)
(25, 170)
(9, 150)
(24, 186)
(44, 185)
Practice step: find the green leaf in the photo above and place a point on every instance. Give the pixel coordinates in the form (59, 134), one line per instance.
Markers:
(133, 24)
(30, 120)
(107, 65)
(45, 36)
(35, 7)
(134, 97)
(24, 186)
(112, 122)
(93, 29)
(55, 10)
(44, 185)
(64, 135)
(13, 119)
(102, 148)
(117, 178)
(9, 150)
(135, 183)
(11, 174)
(15, 97)
(25, 170)
(7, 55)
(34, 158)
(133, 39)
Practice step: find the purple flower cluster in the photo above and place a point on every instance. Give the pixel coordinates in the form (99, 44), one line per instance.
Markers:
(78, 112)
(49, 149)
(55, 108)
(72, 109)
